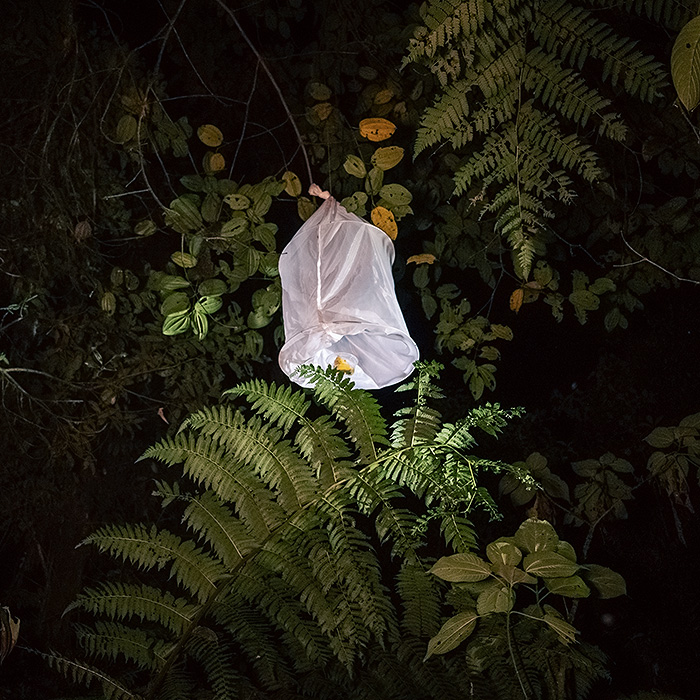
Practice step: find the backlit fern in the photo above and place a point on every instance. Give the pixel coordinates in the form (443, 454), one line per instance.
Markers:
(270, 566)
(521, 97)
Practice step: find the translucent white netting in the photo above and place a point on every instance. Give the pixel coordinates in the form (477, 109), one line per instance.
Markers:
(338, 301)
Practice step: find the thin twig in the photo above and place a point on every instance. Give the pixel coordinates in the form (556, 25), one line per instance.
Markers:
(275, 85)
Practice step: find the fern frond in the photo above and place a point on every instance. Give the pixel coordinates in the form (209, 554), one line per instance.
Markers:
(573, 34)
(357, 409)
(150, 548)
(227, 536)
(672, 13)
(217, 661)
(420, 599)
(320, 442)
(112, 640)
(124, 601)
(211, 465)
(458, 532)
(85, 674)
(447, 116)
(278, 405)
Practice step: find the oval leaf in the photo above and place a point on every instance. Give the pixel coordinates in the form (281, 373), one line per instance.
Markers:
(569, 586)
(536, 535)
(126, 129)
(210, 135)
(292, 184)
(382, 218)
(183, 259)
(606, 582)
(213, 162)
(354, 166)
(496, 598)
(500, 552)
(396, 195)
(548, 564)
(461, 567)
(452, 633)
(685, 64)
(387, 157)
(377, 129)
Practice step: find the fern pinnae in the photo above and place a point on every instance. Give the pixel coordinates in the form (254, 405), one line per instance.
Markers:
(358, 410)
(150, 548)
(458, 532)
(86, 674)
(279, 405)
(123, 601)
(112, 640)
(227, 536)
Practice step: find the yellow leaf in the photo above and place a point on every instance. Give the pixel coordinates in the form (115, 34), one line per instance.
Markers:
(210, 135)
(322, 110)
(382, 218)
(422, 258)
(377, 129)
(516, 300)
(292, 184)
(387, 157)
(183, 259)
(383, 96)
(213, 162)
(342, 365)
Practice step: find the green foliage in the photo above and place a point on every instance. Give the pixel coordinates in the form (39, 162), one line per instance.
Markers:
(513, 88)
(514, 652)
(289, 506)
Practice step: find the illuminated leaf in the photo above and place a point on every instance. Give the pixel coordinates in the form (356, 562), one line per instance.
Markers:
(516, 300)
(383, 96)
(452, 633)
(183, 259)
(569, 586)
(374, 181)
(237, 202)
(387, 157)
(319, 91)
(536, 535)
(377, 129)
(213, 162)
(210, 135)
(108, 303)
(422, 258)
(145, 228)
(176, 323)
(685, 64)
(464, 567)
(354, 166)
(292, 184)
(548, 564)
(564, 630)
(502, 552)
(606, 582)
(175, 303)
(212, 288)
(496, 598)
(382, 218)
(9, 632)
(395, 195)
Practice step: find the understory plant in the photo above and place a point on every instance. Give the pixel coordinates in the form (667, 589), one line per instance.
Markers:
(291, 556)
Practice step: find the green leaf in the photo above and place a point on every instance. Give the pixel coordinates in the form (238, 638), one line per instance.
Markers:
(661, 438)
(355, 166)
(602, 285)
(209, 304)
(565, 631)
(387, 157)
(459, 568)
(396, 195)
(500, 552)
(126, 129)
(183, 259)
(175, 303)
(176, 323)
(569, 586)
(536, 535)
(237, 202)
(374, 181)
(548, 564)
(145, 228)
(355, 203)
(606, 582)
(495, 599)
(685, 64)
(452, 633)
(212, 288)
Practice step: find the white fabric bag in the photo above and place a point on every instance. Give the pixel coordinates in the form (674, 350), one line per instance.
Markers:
(338, 301)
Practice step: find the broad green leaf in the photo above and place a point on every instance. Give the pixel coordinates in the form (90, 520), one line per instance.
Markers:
(536, 535)
(566, 632)
(212, 288)
(176, 323)
(145, 228)
(305, 208)
(183, 259)
(355, 166)
(374, 181)
(660, 438)
(292, 183)
(685, 64)
(169, 282)
(195, 183)
(461, 567)
(175, 303)
(692, 421)
(237, 202)
(548, 564)
(512, 574)
(319, 91)
(211, 207)
(355, 203)
(396, 195)
(500, 552)
(566, 550)
(452, 633)
(602, 285)
(495, 599)
(387, 157)
(569, 586)
(606, 582)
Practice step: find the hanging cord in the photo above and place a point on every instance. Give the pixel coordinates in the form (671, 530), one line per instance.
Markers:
(262, 62)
